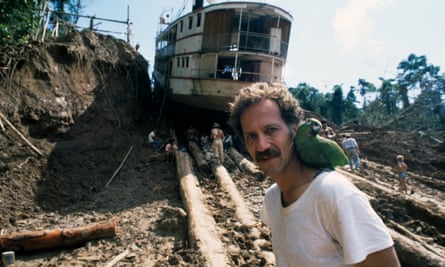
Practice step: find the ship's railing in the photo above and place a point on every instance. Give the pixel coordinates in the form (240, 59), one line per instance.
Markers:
(245, 41)
(237, 75)
(168, 50)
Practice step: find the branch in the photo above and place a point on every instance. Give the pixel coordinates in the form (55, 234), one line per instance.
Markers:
(2, 126)
(120, 166)
(407, 232)
(117, 258)
(35, 149)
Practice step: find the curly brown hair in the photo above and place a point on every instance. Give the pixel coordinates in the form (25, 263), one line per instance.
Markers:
(289, 107)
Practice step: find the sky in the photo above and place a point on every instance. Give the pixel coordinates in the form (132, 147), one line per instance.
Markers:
(333, 42)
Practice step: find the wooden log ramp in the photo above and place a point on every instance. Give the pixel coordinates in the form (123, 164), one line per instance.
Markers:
(206, 231)
(203, 229)
(202, 226)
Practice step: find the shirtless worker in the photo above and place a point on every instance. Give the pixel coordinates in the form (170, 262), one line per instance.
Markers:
(217, 136)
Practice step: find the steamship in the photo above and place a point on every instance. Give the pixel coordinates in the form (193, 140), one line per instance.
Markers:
(203, 58)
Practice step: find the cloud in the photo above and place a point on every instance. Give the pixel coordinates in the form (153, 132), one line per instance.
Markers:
(354, 27)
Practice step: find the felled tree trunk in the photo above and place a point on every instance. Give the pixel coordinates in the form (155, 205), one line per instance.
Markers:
(46, 239)
(245, 164)
(202, 225)
(198, 155)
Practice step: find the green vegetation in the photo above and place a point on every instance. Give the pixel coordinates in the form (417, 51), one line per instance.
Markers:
(20, 20)
(418, 91)
(16, 20)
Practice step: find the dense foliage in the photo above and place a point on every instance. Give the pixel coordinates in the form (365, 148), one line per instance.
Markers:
(17, 20)
(21, 20)
(417, 88)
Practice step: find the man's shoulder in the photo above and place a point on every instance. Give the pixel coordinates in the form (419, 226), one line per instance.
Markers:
(333, 184)
(273, 189)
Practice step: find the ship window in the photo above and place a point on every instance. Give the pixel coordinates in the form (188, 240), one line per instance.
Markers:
(187, 62)
(181, 25)
(198, 20)
(190, 22)
(183, 62)
(178, 64)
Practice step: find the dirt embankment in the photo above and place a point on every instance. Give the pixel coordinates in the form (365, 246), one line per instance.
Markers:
(57, 94)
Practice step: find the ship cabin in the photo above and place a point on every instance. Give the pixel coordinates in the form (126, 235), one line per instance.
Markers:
(241, 41)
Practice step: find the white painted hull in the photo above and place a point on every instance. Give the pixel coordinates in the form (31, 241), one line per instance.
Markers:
(213, 94)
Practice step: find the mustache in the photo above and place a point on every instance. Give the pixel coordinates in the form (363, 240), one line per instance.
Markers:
(269, 153)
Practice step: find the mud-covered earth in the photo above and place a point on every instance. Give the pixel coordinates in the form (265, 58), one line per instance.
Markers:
(74, 119)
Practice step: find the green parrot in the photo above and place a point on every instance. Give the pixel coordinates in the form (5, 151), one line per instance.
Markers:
(317, 151)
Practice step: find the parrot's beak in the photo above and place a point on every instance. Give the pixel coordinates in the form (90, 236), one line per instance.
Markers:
(315, 130)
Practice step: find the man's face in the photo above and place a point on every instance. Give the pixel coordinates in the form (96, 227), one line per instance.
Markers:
(267, 137)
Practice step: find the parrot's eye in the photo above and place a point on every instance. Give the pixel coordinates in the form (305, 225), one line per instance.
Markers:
(315, 130)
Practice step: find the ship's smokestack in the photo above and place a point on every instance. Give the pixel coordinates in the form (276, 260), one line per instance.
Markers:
(198, 4)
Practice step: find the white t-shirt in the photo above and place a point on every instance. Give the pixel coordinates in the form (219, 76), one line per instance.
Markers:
(349, 143)
(151, 137)
(331, 224)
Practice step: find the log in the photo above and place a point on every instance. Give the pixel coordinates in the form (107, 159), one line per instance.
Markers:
(408, 248)
(242, 211)
(430, 211)
(202, 233)
(229, 163)
(47, 239)
(245, 164)
(413, 236)
(198, 155)
(412, 253)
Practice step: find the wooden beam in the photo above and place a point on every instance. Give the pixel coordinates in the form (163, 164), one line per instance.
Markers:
(46, 239)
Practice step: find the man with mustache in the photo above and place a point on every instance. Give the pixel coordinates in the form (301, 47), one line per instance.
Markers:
(316, 216)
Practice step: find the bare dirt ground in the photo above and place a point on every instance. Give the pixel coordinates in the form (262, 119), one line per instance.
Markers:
(84, 105)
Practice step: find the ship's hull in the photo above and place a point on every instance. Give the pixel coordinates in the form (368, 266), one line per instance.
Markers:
(213, 94)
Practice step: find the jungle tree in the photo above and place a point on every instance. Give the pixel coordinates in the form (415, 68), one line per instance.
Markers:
(350, 110)
(365, 87)
(337, 105)
(309, 97)
(415, 73)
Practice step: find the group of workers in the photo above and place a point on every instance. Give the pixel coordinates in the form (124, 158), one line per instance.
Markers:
(215, 144)
(220, 142)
